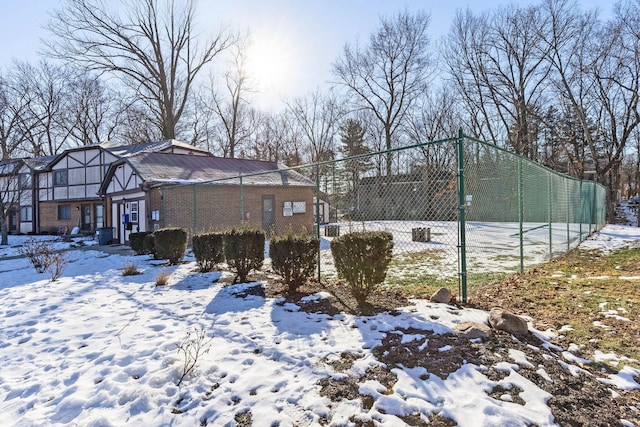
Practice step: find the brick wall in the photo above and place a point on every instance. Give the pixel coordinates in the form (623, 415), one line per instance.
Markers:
(218, 207)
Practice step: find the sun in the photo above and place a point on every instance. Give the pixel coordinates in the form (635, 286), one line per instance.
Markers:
(271, 65)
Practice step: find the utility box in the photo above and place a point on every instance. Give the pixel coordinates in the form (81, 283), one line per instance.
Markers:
(421, 234)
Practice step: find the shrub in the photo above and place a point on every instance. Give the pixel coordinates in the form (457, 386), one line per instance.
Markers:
(43, 257)
(136, 241)
(208, 250)
(38, 251)
(294, 257)
(170, 244)
(192, 346)
(130, 269)
(362, 258)
(55, 264)
(244, 250)
(149, 244)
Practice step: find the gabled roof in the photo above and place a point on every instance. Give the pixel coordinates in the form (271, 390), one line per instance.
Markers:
(120, 150)
(10, 166)
(167, 168)
(39, 163)
(124, 150)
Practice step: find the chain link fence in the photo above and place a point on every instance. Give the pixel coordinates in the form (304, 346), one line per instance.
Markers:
(460, 210)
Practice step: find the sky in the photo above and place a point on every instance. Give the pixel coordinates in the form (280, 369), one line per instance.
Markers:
(296, 41)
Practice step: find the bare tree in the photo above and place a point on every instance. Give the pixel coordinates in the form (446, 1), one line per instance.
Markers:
(318, 117)
(151, 46)
(14, 129)
(388, 75)
(596, 70)
(277, 137)
(495, 60)
(48, 111)
(92, 110)
(230, 112)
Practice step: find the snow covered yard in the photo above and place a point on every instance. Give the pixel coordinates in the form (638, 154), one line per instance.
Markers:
(100, 349)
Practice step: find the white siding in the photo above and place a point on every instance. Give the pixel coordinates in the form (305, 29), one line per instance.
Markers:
(60, 193)
(94, 174)
(77, 192)
(76, 176)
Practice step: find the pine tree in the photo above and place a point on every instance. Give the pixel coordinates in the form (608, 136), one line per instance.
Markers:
(352, 138)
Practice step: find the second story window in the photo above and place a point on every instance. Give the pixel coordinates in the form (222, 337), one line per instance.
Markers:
(60, 177)
(24, 180)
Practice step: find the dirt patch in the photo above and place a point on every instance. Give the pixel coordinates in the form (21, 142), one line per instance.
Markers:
(577, 400)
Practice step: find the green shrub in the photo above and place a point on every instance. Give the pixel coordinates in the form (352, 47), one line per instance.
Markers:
(362, 259)
(294, 257)
(136, 241)
(149, 244)
(170, 244)
(244, 250)
(208, 250)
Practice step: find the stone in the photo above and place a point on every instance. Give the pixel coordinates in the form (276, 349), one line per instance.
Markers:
(505, 321)
(442, 295)
(472, 330)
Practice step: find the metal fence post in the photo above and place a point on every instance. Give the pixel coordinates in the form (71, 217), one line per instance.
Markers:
(164, 207)
(550, 213)
(461, 216)
(521, 212)
(242, 221)
(318, 218)
(195, 209)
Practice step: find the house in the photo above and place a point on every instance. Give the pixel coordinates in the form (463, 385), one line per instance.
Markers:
(16, 195)
(59, 193)
(151, 190)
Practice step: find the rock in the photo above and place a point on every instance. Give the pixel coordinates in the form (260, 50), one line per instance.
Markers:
(472, 330)
(503, 320)
(442, 295)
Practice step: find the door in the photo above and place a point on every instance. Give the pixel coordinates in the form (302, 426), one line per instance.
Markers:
(99, 214)
(85, 223)
(268, 213)
(13, 225)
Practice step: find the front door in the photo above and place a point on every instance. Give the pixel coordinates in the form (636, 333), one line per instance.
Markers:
(85, 224)
(99, 216)
(268, 213)
(13, 225)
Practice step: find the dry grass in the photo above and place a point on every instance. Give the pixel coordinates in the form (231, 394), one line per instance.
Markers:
(162, 279)
(130, 269)
(589, 292)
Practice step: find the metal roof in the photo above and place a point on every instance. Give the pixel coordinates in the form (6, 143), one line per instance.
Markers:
(124, 150)
(189, 169)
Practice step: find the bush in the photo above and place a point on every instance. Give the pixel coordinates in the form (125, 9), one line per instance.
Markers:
(294, 257)
(136, 241)
(244, 250)
(362, 258)
(43, 257)
(149, 244)
(170, 244)
(208, 250)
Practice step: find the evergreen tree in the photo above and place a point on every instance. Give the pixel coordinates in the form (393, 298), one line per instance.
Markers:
(352, 138)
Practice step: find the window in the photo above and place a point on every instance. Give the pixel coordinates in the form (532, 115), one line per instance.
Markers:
(26, 214)
(24, 180)
(60, 177)
(64, 211)
(134, 212)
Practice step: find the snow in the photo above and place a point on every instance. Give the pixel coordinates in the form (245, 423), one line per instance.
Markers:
(97, 348)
